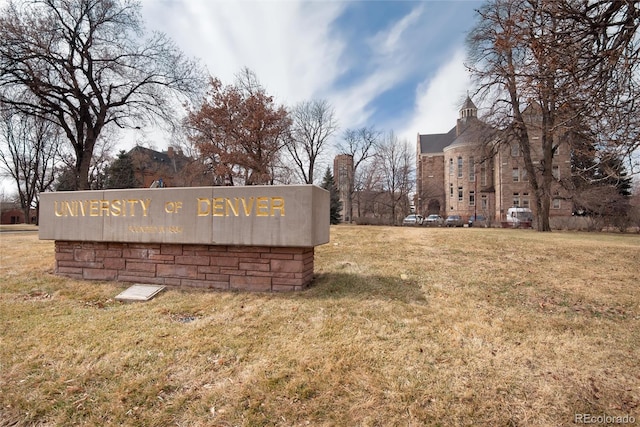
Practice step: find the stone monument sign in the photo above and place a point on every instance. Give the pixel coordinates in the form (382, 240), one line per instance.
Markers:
(254, 237)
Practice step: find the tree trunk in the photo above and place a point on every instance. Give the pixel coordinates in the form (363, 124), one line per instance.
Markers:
(543, 205)
(27, 215)
(82, 174)
(83, 166)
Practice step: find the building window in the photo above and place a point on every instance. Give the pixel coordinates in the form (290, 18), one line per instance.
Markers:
(556, 204)
(485, 202)
(460, 194)
(555, 170)
(450, 190)
(516, 199)
(483, 175)
(472, 198)
(450, 166)
(460, 167)
(472, 169)
(515, 150)
(525, 200)
(516, 174)
(524, 175)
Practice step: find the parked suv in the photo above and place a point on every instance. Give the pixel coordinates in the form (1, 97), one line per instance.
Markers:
(412, 220)
(434, 220)
(454, 221)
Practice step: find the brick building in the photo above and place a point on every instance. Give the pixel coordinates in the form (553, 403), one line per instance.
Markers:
(457, 175)
(151, 165)
(12, 213)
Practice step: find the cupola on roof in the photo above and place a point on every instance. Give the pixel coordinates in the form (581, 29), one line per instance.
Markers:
(468, 109)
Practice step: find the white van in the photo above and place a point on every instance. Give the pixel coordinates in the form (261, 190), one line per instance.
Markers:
(519, 217)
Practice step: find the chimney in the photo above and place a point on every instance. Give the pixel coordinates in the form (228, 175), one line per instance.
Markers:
(170, 152)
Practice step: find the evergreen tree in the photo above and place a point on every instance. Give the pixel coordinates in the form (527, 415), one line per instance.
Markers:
(121, 173)
(328, 183)
(66, 180)
(614, 173)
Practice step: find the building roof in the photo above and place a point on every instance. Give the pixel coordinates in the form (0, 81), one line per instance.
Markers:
(157, 156)
(173, 159)
(435, 143)
(473, 132)
(469, 130)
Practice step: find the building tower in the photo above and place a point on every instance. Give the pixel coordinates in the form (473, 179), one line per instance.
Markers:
(343, 177)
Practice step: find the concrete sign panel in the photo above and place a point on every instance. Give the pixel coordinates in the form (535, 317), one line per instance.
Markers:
(286, 216)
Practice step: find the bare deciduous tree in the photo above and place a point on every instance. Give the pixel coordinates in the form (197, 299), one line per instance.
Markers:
(84, 66)
(28, 155)
(574, 63)
(361, 144)
(313, 123)
(396, 161)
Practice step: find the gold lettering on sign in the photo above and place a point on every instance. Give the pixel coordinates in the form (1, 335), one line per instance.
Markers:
(104, 207)
(204, 206)
(262, 206)
(277, 204)
(84, 206)
(116, 207)
(247, 212)
(145, 206)
(99, 208)
(233, 207)
(172, 207)
(132, 204)
(93, 207)
(251, 206)
(218, 206)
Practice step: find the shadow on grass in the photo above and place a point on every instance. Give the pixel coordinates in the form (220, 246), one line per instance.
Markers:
(351, 285)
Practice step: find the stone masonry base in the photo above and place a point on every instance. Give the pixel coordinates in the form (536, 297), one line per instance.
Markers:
(254, 268)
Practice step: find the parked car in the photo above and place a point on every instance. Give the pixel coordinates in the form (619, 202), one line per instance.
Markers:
(434, 220)
(477, 220)
(454, 221)
(413, 220)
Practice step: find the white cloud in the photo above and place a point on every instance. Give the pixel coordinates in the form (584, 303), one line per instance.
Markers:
(389, 60)
(391, 40)
(353, 105)
(287, 44)
(438, 99)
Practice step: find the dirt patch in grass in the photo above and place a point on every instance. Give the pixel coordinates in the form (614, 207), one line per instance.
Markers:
(402, 326)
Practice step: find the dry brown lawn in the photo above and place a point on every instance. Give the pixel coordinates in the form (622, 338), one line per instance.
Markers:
(402, 327)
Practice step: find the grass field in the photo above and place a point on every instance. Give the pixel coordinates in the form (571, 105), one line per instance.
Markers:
(402, 327)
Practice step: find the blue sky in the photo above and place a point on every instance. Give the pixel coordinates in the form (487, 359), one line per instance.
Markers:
(395, 65)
